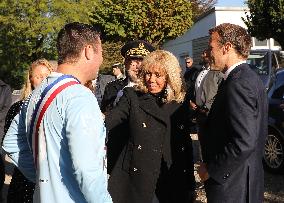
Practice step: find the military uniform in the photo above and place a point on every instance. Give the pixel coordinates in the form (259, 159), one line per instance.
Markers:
(110, 93)
(136, 49)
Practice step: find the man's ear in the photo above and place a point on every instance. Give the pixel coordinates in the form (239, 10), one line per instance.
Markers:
(227, 47)
(89, 52)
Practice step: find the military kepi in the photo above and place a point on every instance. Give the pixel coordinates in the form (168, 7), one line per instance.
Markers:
(136, 49)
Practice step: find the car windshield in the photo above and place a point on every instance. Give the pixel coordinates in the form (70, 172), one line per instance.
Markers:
(259, 62)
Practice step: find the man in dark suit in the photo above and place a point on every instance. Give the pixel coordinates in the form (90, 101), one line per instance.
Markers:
(133, 53)
(236, 127)
(101, 82)
(206, 87)
(190, 75)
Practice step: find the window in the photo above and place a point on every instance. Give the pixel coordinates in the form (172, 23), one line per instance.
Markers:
(260, 43)
(259, 62)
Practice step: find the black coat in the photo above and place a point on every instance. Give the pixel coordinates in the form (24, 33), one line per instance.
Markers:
(110, 93)
(135, 174)
(235, 137)
(102, 81)
(190, 76)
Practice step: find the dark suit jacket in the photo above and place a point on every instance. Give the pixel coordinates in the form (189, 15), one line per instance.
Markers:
(110, 93)
(102, 81)
(190, 76)
(134, 176)
(234, 141)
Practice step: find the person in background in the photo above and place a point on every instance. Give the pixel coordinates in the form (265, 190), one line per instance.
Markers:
(54, 64)
(5, 103)
(190, 75)
(100, 84)
(133, 53)
(156, 160)
(206, 87)
(62, 141)
(118, 70)
(236, 127)
(21, 189)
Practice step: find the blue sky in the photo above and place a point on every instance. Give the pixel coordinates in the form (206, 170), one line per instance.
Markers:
(233, 3)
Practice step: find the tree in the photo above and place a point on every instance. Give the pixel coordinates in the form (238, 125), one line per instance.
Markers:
(266, 19)
(28, 29)
(111, 56)
(201, 6)
(151, 20)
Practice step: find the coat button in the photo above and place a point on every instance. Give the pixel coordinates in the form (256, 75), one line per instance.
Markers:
(135, 169)
(182, 149)
(181, 127)
(184, 170)
(144, 125)
(139, 147)
(226, 176)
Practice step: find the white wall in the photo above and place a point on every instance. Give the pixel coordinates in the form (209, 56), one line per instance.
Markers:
(183, 45)
(231, 15)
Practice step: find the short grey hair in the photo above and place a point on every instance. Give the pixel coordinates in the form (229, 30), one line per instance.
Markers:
(188, 58)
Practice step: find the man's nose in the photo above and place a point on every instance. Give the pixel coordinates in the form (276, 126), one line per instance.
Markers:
(152, 77)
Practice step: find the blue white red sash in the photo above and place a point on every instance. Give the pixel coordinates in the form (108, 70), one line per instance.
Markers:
(46, 98)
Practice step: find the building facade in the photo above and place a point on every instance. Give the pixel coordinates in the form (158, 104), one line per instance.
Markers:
(195, 40)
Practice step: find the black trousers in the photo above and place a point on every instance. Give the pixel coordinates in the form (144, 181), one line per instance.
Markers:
(166, 192)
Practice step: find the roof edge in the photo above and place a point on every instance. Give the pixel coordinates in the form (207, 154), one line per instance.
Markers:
(217, 8)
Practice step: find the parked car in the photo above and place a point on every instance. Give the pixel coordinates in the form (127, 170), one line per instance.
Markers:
(267, 64)
(274, 148)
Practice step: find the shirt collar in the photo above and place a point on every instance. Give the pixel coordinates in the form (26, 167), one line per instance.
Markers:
(232, 68)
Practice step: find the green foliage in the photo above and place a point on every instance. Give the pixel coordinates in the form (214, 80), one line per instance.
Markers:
(28, 29)
(151, 20)
(266, 19)
(111, 56)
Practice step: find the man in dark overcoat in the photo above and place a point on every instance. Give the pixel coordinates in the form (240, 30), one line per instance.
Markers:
(190, 75)
(236, 128)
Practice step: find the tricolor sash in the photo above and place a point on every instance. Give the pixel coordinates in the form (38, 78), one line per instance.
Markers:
(46, 98)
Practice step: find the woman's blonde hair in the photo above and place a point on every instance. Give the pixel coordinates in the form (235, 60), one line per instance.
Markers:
(167, 63)
(27, 88)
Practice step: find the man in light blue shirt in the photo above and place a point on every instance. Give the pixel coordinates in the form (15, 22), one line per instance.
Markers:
(67, 160)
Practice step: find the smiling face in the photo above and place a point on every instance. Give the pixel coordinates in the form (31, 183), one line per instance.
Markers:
(155, 80)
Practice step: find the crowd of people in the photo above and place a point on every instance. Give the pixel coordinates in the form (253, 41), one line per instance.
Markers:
(128, 141)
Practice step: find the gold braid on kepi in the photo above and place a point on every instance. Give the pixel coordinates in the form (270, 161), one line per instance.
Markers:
(136, 49)
(139, 51)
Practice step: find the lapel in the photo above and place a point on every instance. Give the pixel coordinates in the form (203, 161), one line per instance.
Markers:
(148, 104)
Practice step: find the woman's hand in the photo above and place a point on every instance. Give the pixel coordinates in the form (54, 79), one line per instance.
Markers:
(192, 105)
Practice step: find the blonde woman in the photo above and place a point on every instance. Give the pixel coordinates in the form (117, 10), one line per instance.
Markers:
(21, 189)
(155, 159)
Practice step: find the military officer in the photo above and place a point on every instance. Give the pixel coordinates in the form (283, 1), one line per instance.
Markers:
(133, 53)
